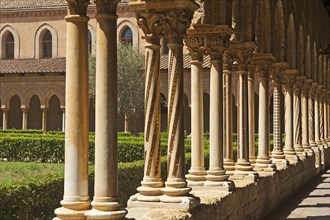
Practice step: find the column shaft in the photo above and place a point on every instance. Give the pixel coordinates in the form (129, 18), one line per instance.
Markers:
(251, 117)
(4, 118)
(321, 115)
(297, 119)
(175, 154)
(25, 118)
(216, 175)
(197, 171)
(216, 113)
(263, 162)
(44, 119)
(76, 198)
(317, 120)
(305, 119)
(228, 124)
(311, 123)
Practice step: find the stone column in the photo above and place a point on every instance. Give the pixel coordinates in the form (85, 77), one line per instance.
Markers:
(297, 117)
(150, 190)
(305, 117)
(175, 184)
(229, 164)
(76, 199)
(289, 152)
(197, 171)
(25, 111)
(321, 109)
(251, 115)
(4, 117)
(326, 119)
(44, 118)
(63, 119)
(105, 202)
(242, 52)
(263, 162)
(311, 112)
(317, 116)
(216, 43)
(277, 154)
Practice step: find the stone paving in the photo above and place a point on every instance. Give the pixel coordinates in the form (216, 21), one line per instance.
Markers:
(311, 202)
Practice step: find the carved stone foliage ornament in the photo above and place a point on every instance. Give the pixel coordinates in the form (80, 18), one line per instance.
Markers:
(263, 63)
(77, 7)
(106, 6)
(171, 24)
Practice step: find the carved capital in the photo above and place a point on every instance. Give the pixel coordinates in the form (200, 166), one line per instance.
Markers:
(278, 70)
(77, 7)
(106, 6)
(241, 53)
(307, 84)
(262, 63)
(196, 46)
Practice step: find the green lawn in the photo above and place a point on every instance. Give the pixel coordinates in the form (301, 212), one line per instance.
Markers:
(13, 173)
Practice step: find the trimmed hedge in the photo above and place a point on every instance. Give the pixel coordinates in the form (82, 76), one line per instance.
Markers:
(48, 147)
(39, 199)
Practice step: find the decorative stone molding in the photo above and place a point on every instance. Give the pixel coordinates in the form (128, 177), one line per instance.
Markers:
(77, 7)
(106, 6)
(171, 19)
(262, 63)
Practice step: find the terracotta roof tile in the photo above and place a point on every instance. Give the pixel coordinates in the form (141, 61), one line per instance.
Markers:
(54, 65)
(37, 4)
(30, 4)
(186, 61)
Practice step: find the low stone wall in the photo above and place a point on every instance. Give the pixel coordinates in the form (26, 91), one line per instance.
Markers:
(250, 200)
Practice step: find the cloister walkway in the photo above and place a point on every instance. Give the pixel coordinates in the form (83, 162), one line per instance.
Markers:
(311, 202)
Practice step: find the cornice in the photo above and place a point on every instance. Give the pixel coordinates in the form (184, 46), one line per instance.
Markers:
(34, 12)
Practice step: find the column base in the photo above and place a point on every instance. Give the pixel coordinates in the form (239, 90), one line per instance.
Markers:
(72, 210)
(281, 164)
(317, 153)
(291, 155)
(302, 155)
(104, 215)
(218, 180)
(252, 160)
(308, 149)
(245, 175)
(229, 166)
(196, 177)
(265, 165)
(166, 202)
(176, 187)
(277, 155)
(105, 210)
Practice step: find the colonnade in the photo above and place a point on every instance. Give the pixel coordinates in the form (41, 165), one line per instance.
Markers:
(26, 115)
(306, 111)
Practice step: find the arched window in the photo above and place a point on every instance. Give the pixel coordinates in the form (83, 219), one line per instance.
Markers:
(89, 42)
(126, 36)
(9, 46)
(47, 44)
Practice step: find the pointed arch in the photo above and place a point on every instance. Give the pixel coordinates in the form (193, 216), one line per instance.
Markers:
(308, 59)
(265, 26)
(291, 52)
(301, 51)
(123, 26)
(316, 64)
(35, 113)
(279, 32)
(4, 33)
(43, 31)
(15, 114)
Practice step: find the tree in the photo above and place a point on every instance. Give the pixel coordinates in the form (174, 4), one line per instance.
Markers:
(130, 82)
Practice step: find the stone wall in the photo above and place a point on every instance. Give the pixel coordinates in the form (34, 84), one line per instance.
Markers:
(256, 200)
(250, 200)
